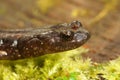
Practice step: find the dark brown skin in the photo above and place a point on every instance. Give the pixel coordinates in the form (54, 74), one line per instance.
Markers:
(20, 44)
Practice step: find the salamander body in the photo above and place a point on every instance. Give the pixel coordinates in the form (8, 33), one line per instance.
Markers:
(25, 43)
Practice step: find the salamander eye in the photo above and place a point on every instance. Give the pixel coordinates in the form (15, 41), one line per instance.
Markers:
(75, 25)
(67, 35)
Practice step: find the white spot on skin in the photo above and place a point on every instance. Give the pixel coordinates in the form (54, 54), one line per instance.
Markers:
(47, 32)
(1, 42)
(3, 53)
(52, 40)
(14, 43)
(26, 49)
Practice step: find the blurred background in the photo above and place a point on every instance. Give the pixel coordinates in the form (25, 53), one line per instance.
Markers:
(100, 17)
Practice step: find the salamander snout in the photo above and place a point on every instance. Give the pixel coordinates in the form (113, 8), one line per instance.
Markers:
(81, 37)
(74, 32)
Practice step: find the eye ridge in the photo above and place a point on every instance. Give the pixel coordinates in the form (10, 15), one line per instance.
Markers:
(75, 25)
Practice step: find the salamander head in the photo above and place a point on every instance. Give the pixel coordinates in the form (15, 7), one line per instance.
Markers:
(68, 36)
(75, 33)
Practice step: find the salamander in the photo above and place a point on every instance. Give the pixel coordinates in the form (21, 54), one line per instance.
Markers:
(26, 43)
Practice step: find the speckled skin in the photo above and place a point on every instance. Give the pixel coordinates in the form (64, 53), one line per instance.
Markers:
(20, 44)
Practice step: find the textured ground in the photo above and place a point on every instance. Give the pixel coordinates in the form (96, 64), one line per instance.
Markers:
(100, 17)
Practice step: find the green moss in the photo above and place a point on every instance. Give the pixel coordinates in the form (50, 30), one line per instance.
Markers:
(61, 66)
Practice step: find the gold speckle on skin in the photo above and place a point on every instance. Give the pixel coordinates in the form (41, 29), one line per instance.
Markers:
(19, 55)
(16, 50)
(41, 42)
(31, 46)
(3, 53)
(26, 48)
(35, 48)
(34, 53)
